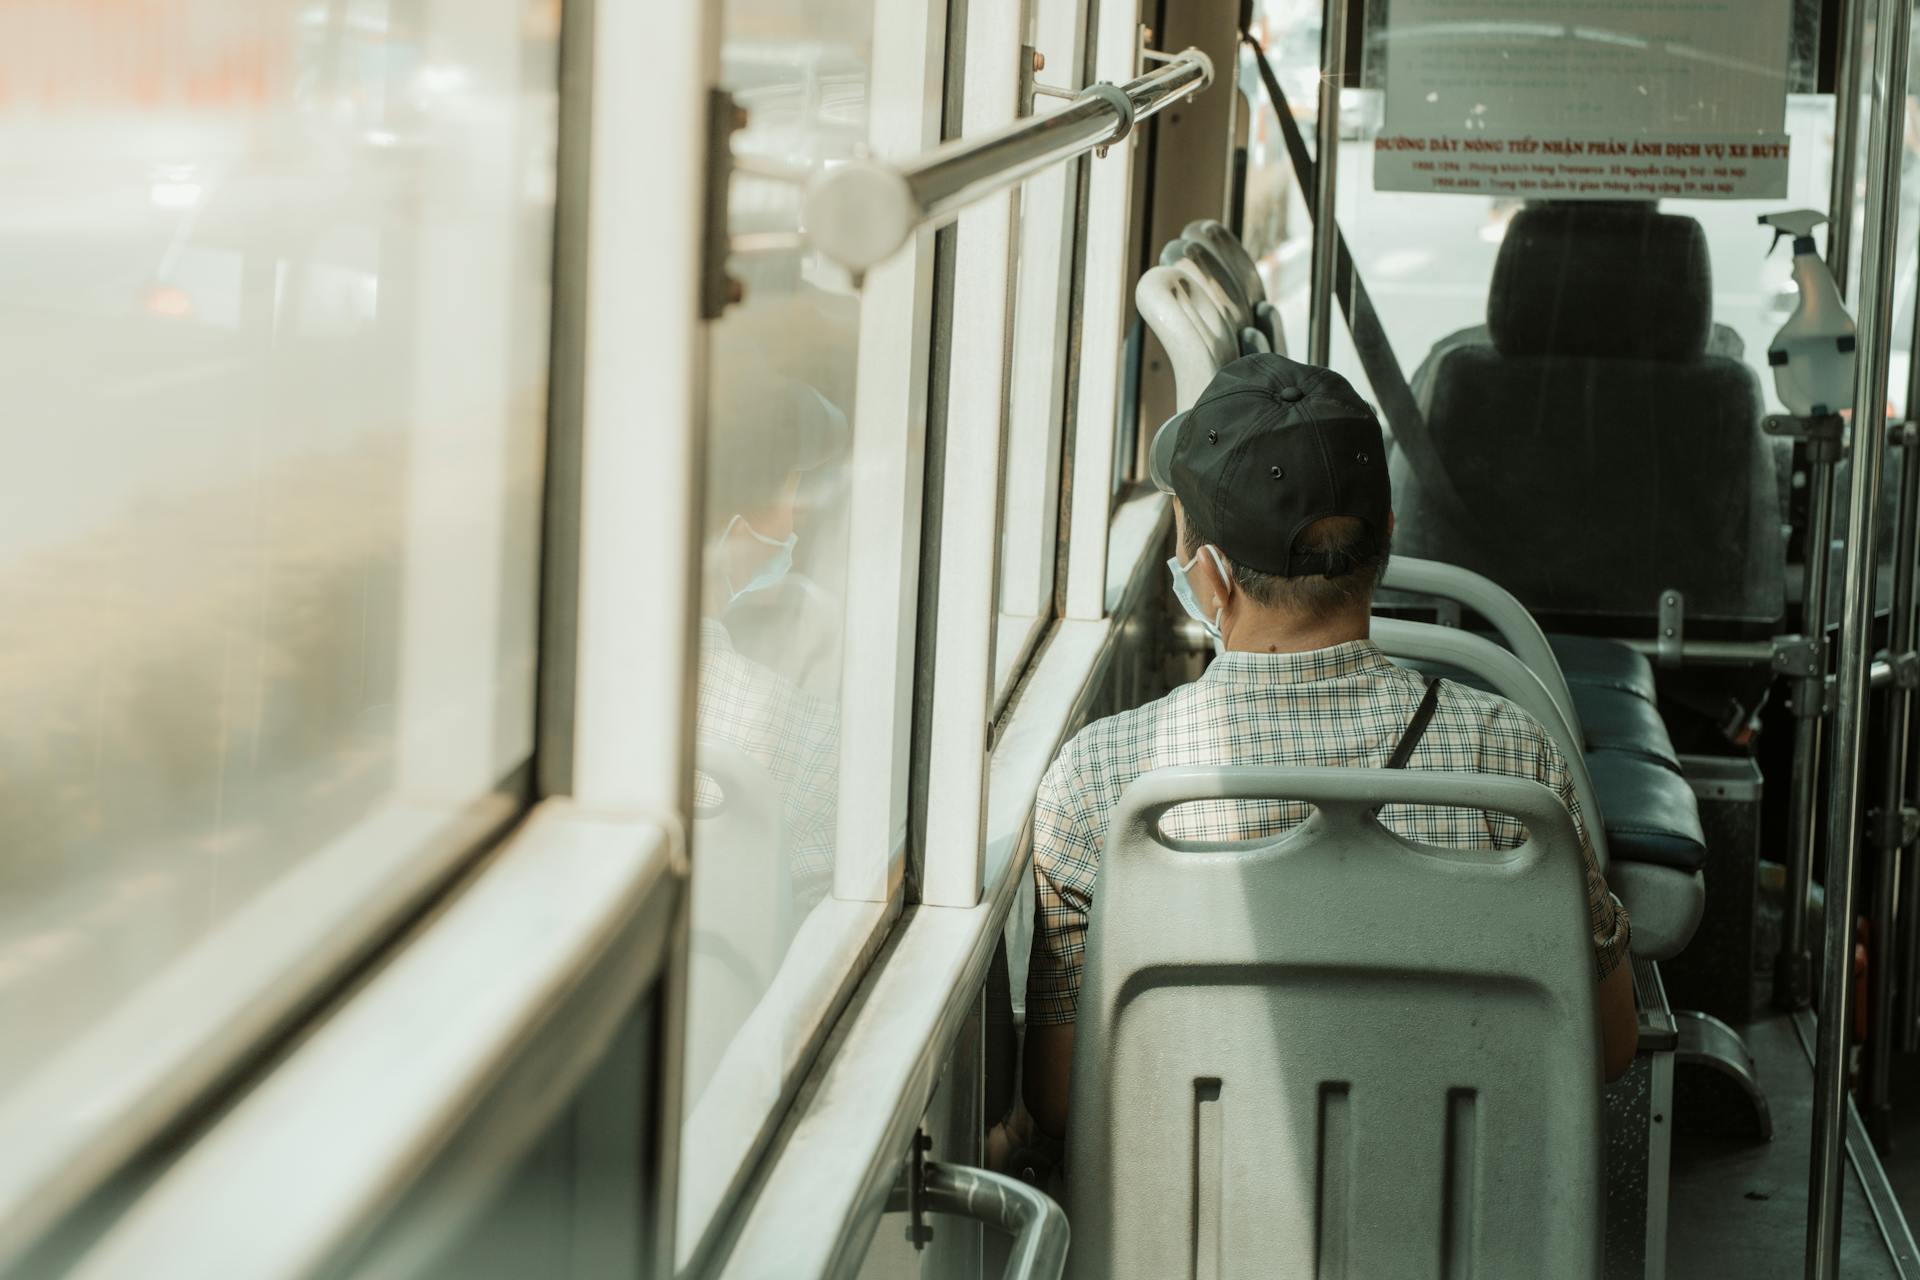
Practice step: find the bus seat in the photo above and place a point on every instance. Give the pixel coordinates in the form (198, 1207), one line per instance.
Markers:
(1502, 610)
(1337, 1052)
(1254, 341)
(1443, 650)
(1171, 305)
(1603, 717)
(1588, 416)
(1240, 306)
(1647, 815)
(1219, 309)
(1213, 235)
(1226, 246)
(1599, 663)
(1627, 724)
(1267, 316)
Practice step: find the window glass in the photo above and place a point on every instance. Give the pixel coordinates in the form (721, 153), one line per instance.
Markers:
(1584, 411)
(273, 350)
(1036, 403)
(775, 593)
(1427, 259)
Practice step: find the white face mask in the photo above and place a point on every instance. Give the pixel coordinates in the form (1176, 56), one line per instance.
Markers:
(1183, 591)
(774, 568)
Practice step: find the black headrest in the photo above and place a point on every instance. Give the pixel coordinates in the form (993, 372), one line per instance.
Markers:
(1601, 281)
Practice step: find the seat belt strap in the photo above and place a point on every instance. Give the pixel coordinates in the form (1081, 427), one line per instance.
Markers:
(1397, 401)
(1416, 728)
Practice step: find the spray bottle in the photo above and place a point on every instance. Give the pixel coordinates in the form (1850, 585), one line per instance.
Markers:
(1812, 355)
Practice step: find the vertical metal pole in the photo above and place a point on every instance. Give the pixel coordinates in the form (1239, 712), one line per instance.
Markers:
(1904, 1020)
(1890, 842)
(1909, 914)
(1851, 31)
(1793, 970)
(1326, 164)
(1846, 809)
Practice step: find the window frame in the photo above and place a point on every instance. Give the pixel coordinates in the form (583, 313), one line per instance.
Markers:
(1105, 310)
(1048, 261)
(194, 1030)
(834, 946)
(966, 620)
(620, 541)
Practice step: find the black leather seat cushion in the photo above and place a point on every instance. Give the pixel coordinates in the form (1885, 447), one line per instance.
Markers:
(1619, 721)
(1650, 811)
(1602, 663)
(1613, 719)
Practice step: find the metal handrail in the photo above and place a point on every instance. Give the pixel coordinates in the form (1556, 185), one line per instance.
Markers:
(1846, 801)
(861, 213)
(1326, 157)
(1035, 1221)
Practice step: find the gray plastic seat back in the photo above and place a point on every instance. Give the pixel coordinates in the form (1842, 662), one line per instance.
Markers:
(1268, 318)
(1336, 1053)
(1189, 328)
(1218, 310)
(1513, 680)
(1214, 235)
(1501, 608)
(1204, 257)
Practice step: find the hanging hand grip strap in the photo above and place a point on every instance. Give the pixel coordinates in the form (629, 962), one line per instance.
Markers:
(1397, 400)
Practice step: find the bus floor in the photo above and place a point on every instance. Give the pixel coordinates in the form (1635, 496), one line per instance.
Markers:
(1737, 1207)
(1903, 1159)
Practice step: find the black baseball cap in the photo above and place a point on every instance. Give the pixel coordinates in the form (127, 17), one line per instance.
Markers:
(1271, 446)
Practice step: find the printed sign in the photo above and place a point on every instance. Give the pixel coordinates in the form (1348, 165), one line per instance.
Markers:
(1600, 100)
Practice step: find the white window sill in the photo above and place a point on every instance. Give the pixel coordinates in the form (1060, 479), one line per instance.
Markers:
(310, 1160)
(75, 1122)
(739, 1108)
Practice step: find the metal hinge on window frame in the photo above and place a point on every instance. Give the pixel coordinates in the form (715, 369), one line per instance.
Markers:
(718, 290)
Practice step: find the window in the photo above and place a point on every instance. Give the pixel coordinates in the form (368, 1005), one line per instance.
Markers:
(271, 531)
(1426, 259)
(809, 548)
(1428, 262)
(1037, 391)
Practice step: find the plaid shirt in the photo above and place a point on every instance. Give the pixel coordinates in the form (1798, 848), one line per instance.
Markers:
(1344, 706)
(792, 734)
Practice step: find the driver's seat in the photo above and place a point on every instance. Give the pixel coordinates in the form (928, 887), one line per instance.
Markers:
(1596, 413)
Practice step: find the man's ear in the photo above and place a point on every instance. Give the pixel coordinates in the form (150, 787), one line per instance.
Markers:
(1219, 583)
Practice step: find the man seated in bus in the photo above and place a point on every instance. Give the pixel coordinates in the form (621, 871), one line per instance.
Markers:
(1283, 516)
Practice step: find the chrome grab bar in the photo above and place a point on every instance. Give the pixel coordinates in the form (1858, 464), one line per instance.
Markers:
(863, 212)
(1846, 802)
(1037, 1224)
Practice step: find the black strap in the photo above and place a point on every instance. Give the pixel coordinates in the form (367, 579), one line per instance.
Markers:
(1377, 357)
(1416, 728)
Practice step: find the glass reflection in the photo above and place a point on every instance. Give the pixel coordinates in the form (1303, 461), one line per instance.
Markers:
(774, 595)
